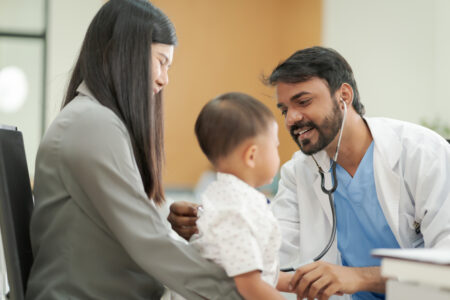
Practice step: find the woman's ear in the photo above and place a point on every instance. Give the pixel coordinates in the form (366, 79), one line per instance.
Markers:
(250, 155)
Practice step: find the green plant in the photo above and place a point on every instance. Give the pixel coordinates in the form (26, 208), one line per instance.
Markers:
(437, 125)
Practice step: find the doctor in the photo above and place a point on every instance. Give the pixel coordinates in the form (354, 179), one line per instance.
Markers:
(392, 178)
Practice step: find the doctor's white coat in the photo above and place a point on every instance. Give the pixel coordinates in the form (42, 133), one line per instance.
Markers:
(412, 178)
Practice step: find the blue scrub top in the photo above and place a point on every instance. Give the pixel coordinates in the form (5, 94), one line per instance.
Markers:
(361, 224)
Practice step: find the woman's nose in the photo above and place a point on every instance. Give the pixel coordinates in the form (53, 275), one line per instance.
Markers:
(163, 78)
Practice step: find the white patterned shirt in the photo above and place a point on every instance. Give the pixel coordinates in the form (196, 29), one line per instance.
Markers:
(237, 229)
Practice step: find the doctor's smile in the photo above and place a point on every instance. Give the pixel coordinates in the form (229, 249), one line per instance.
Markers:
(302, 133)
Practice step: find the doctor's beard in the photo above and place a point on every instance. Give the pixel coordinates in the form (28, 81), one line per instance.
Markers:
(327, 131)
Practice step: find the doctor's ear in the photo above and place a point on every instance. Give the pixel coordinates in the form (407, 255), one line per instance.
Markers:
(345, 94)
(250, 155)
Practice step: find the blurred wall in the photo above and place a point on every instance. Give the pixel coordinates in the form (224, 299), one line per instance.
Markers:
(24, 16)
(68, 23)
(399, 51)
(226, 46)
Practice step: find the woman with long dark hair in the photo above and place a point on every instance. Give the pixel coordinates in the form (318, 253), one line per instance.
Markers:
(95, 230)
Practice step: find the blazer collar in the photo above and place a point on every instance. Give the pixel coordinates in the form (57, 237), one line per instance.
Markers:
(84, 90)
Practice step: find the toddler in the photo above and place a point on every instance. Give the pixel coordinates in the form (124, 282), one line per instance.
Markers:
(237, 229)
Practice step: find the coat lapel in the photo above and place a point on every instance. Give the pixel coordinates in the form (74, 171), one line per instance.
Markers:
(324, 161)
(387, 153)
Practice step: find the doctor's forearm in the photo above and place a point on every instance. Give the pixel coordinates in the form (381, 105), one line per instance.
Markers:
(371, 279)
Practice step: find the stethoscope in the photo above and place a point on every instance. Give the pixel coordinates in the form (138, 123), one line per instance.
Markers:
(329, 192)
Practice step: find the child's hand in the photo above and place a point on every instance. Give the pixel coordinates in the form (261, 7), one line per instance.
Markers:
(251, 286)
(284, 279)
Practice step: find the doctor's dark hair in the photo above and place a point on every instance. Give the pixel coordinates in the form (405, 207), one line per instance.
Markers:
(324, 63)
(228, 120)
(115, 64)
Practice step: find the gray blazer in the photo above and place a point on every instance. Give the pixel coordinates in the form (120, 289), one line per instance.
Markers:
(94, 232)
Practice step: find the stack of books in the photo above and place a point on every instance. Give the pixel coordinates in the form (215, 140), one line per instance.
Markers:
(416, 273)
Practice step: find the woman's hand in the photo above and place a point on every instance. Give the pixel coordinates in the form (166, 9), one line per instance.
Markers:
(182, 217)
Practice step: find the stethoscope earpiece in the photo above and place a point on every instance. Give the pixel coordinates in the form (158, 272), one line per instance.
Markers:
(345, 104)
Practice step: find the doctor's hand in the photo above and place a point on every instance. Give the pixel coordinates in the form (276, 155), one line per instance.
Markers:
(321, 280)
(182, 217)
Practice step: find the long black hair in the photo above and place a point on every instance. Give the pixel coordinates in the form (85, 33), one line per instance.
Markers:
(115, 65)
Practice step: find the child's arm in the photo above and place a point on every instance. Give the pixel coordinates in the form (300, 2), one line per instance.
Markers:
(283, 282)
(251, 286)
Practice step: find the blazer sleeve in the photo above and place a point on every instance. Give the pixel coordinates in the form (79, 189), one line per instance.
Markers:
(96, 160)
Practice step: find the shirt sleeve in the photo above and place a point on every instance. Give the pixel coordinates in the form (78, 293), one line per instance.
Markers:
(285, 209)
(96, 161)
(238, 248)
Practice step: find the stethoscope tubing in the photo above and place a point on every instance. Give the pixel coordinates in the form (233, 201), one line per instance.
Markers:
(329, 192)
(333, 212)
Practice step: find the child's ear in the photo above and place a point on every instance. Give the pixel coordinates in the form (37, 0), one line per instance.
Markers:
(250, 155)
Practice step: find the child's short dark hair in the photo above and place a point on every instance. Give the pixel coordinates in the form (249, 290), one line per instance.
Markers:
(229, 119)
